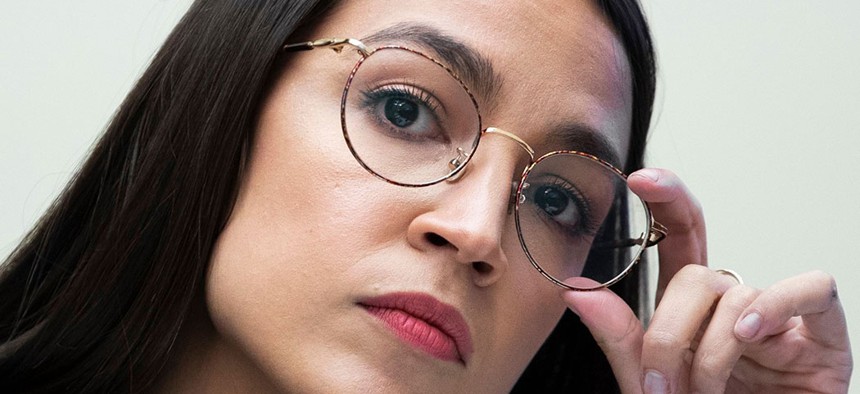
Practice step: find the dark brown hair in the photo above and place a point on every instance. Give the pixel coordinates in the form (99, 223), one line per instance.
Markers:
(95, 295)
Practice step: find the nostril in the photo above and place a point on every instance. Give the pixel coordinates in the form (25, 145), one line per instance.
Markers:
(436, 239)
(482, 267)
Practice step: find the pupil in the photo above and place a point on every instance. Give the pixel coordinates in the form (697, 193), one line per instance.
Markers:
(401, 112)
(551, 200)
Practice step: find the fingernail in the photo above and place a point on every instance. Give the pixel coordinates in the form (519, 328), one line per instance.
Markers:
(748, 326)
(648, 173)
(655, 383)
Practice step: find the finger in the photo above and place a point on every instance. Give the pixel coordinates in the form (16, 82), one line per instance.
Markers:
(719, 350)
(667, 349)
(812, 296)
(615, 328)
(674, 207)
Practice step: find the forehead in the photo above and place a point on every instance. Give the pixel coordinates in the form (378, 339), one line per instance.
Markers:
(555, 66)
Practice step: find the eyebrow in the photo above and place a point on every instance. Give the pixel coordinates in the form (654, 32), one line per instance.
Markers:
(477, 72)
(471, 66)
(583, 138)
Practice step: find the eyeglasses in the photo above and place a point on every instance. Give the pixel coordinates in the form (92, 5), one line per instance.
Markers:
(410, 120)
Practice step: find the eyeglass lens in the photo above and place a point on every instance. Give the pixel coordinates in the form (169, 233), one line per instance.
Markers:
(577, 218)
(406, 117)
(408, 120)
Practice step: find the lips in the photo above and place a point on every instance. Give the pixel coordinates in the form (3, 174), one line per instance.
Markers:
(425, 323)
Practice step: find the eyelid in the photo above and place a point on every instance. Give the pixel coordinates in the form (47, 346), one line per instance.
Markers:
(410, 87)
(421, 95)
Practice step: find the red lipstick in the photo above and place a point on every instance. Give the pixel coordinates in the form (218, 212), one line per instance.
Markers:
(424, 322)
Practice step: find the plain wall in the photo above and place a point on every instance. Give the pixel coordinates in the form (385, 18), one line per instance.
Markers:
(757, 112)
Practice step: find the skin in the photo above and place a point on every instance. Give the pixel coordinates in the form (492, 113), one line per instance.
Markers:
(697, 340)
(312, 232)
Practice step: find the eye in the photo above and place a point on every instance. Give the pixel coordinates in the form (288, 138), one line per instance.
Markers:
(401, 112)
(404, 112)
(552, 201)
(563, 205)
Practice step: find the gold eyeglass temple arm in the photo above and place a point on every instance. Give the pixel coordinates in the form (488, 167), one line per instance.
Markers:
(657, 233)
(335, 44)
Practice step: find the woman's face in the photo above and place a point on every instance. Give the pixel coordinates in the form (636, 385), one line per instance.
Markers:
(329, 279)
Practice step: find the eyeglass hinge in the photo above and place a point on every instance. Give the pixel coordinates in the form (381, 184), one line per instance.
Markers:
(657, 233)
(336, 44)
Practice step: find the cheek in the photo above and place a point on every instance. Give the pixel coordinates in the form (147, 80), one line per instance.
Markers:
(283, 263)
(525, 308)
(544, 303)
(305, 182)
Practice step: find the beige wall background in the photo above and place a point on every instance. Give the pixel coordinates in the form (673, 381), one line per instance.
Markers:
(757, 111)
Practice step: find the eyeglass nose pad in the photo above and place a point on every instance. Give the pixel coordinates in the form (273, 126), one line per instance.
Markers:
(456, 163)
(513, 200)
(523, 196)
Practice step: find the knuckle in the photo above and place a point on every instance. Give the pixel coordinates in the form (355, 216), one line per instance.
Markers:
(740, 296)
(694, 273)
(659, 340)
(709, 367)
(624, 341)
(775, 296)
(693, 221)
(632, 333)
(695, 205)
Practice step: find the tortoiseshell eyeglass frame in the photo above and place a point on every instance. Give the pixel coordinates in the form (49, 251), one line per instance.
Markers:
(656, 233)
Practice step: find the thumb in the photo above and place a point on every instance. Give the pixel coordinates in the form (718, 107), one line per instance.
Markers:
(615, 328)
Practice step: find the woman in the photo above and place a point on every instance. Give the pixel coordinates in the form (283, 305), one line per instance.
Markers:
(223, 237)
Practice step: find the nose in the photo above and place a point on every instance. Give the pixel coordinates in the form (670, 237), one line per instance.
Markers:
(469, 218)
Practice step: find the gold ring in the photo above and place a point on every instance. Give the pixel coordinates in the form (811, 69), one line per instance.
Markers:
(731, 273)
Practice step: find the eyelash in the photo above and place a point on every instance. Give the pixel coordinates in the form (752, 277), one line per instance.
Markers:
(372, 97)
(403, 90)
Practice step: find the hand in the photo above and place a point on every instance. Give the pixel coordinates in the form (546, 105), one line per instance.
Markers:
(708, 333)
